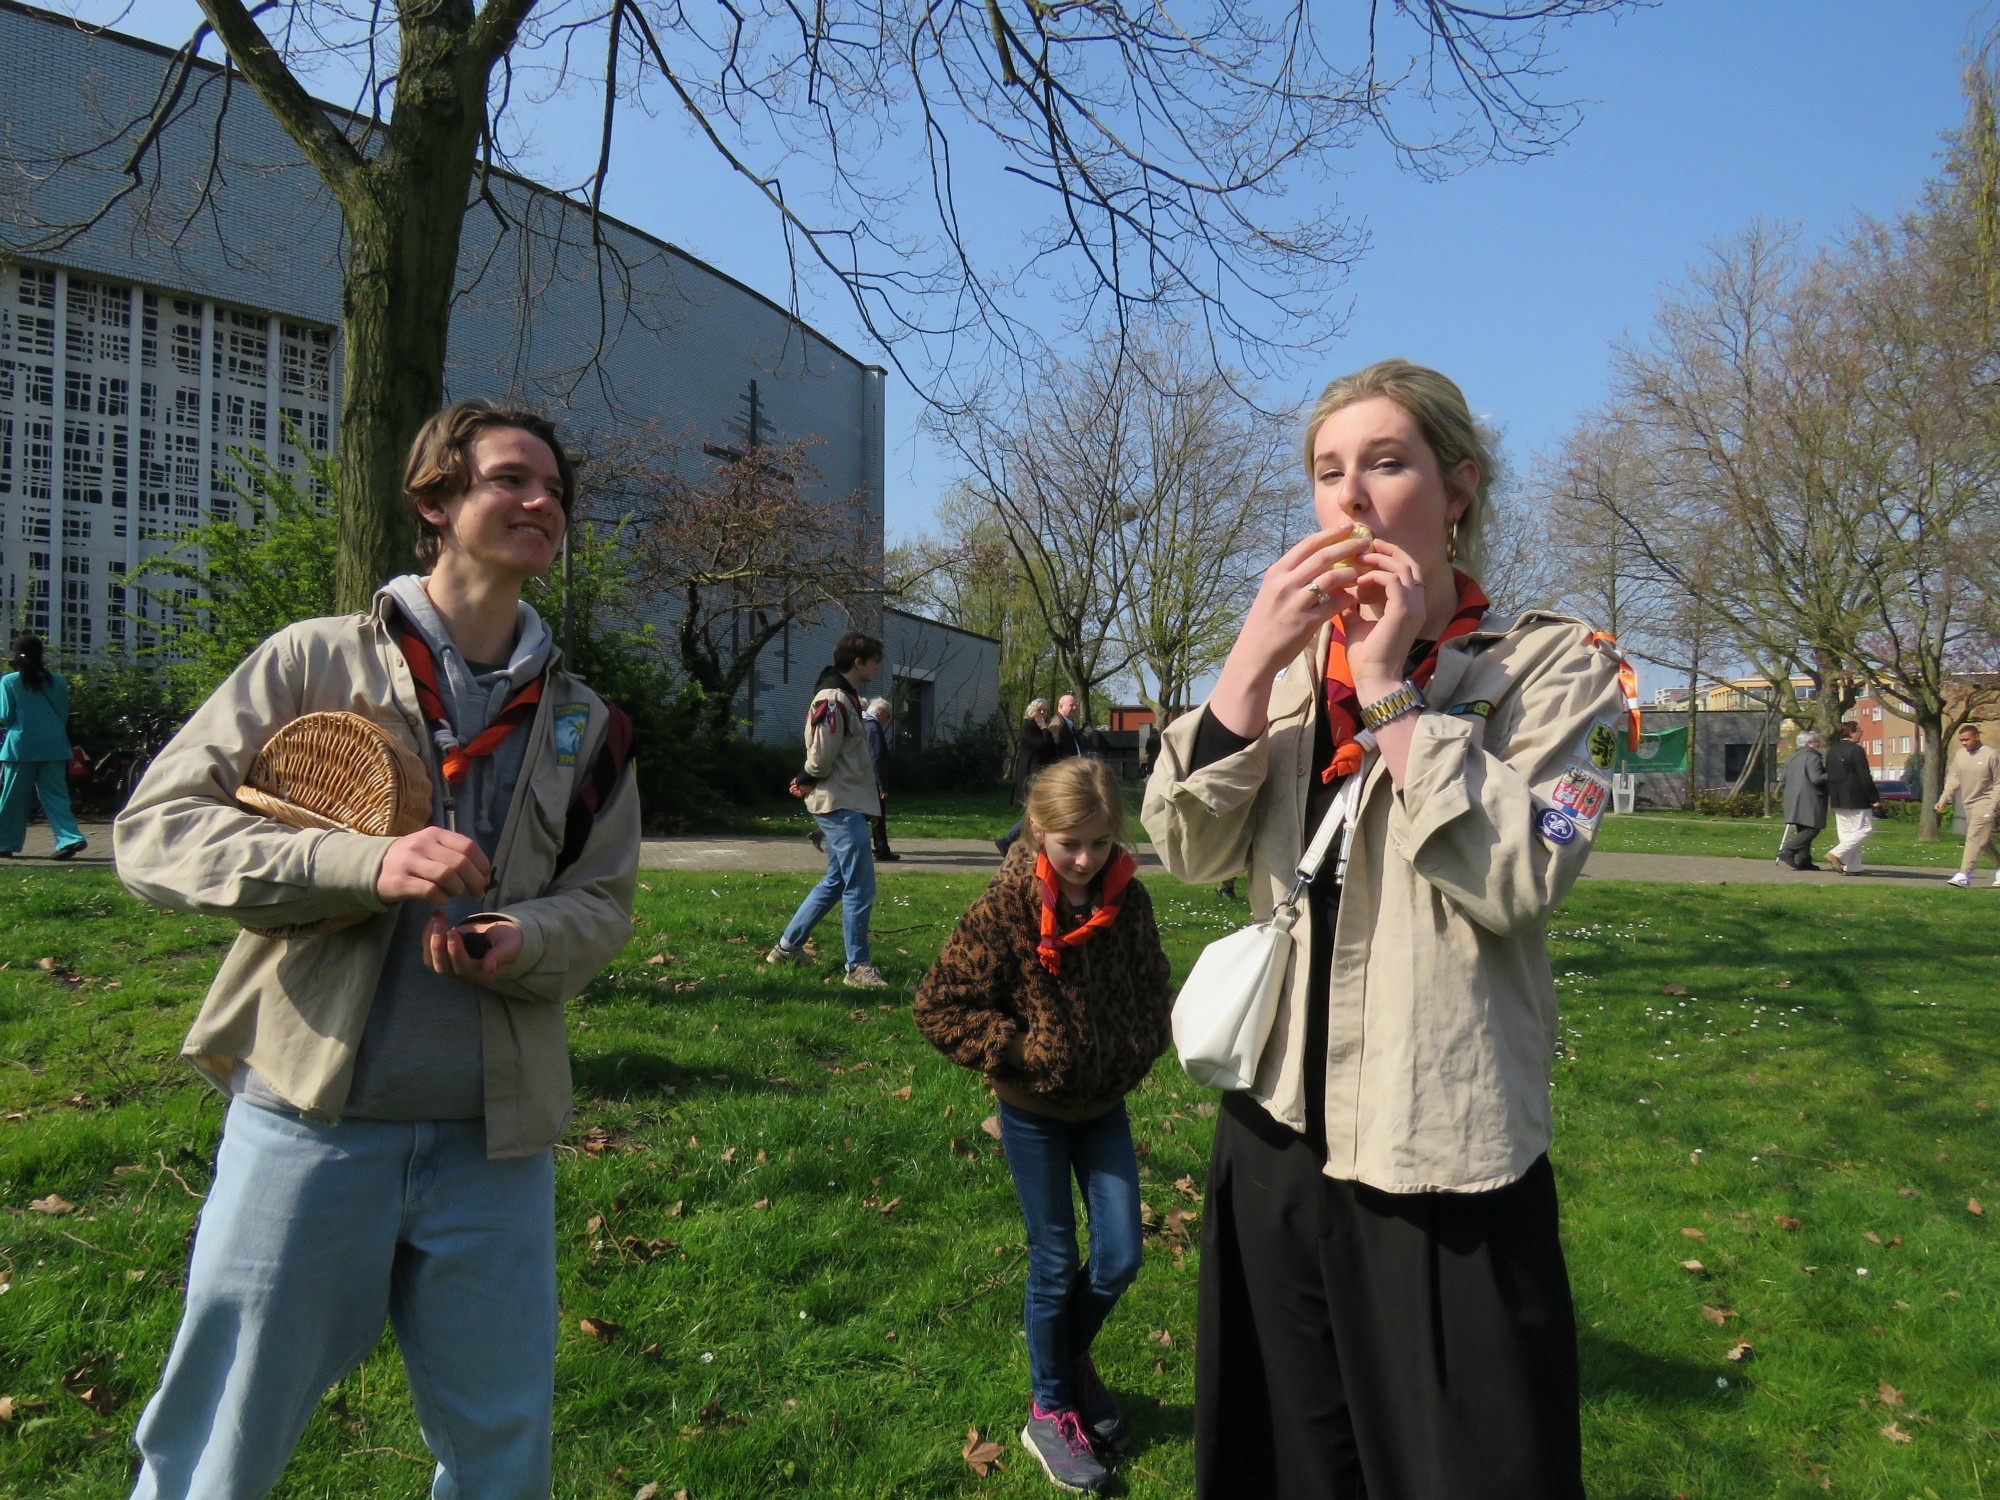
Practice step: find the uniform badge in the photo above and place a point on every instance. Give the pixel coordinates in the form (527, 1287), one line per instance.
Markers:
(1581, 793)
(1602, 745)
(1478, 708)
(571, 720)
(1557, 826)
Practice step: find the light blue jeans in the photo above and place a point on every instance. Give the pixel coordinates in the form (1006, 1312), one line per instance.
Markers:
(47, 780)
(849, 879)
(312, 1236)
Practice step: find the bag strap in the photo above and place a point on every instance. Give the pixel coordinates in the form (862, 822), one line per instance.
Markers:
(1336, 818)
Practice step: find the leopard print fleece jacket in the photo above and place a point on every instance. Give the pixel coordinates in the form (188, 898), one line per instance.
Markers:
(1089, 1034)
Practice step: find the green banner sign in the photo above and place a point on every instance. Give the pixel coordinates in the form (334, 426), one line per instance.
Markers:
(1666, 750)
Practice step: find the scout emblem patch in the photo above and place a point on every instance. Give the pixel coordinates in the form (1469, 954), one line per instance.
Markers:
(571, 720)
(1557, 826)
(1478, 708)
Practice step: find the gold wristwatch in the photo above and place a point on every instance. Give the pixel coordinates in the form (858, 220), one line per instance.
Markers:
(1407, 699)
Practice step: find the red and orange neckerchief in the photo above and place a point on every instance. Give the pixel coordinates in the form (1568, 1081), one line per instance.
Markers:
(456, 759)
(1343, 704)
(1117, 876)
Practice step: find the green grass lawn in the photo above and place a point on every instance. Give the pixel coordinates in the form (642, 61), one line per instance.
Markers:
(787, 1204)
(1894, 841)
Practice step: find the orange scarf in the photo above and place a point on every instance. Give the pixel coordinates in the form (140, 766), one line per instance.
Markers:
(1117, 875)
(1343, 704)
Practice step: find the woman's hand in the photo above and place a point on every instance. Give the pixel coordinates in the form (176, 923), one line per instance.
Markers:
(1301, 591)
(447, 951)
(1393, 592)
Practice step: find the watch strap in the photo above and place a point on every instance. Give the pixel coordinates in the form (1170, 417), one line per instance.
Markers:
(1407, 699)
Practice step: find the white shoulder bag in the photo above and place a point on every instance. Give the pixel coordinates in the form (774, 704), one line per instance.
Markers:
(1222, 1016)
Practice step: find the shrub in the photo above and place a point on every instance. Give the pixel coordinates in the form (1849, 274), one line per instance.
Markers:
(1715, 802)
(974, 758)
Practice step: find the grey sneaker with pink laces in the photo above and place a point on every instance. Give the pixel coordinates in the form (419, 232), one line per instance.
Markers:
(1097, 1407)
(1058, 1441)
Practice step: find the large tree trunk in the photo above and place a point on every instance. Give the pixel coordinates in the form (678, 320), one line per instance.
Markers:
(403, 214)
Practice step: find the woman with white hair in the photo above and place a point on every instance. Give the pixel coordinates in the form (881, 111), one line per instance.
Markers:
(1805, 802)
(875, 724)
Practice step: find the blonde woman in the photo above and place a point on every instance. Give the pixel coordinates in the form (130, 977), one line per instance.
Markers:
(1054, 986)
(1384, 1307)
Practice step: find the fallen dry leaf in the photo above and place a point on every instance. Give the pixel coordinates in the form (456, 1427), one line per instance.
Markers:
(991, 1125)
(890, 1207)
(1673, 989)
(1695, 1234)
(1717, 1315)
(657, 958)
(1895, 1434)
(1695, 1266)
(1161, 1337)
(647, 1491)
(46, 965)
(1971, 1206)
(1871, 1236)
(1788, 1224)
(601, 1329)
(1186, 1186)
(1887, 1394)
(53, 1204)
(1906, 1192)
(762, 1203)
(901, 1093)
(983, 1454)
(1741, 1352)
(7, 1408)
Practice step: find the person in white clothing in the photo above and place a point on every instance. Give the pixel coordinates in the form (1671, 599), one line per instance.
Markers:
(1853, 796)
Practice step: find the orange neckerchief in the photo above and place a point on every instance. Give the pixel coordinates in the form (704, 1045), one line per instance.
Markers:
(1343, 704)
(1117, 875)
(456, 759)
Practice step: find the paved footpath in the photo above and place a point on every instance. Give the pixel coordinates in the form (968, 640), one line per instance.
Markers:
(976, 857)
(792, 853)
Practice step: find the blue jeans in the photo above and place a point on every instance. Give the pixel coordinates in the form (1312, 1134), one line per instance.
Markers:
(1068, 1301)
(48, 780)
(849, 879)
(312, 1236)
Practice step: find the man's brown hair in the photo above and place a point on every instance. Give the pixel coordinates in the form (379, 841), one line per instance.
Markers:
(440, 466)
(856, 645)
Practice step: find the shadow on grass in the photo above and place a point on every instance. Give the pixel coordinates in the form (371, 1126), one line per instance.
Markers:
(626, 1076)
(1610, 1369)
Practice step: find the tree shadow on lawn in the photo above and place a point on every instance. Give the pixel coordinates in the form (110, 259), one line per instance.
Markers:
(625, 1076)
(1844, 981)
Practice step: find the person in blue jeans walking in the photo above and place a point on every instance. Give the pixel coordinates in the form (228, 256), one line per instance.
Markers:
(397, 1082)
(1055, 987)
(838, 785)
(34, 756)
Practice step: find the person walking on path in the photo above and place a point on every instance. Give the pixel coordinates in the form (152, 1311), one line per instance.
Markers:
(1805, 802)
(838, 784)
(1055, 987)
(1974, 778)
(1034, 748)
(875, 724)
(1065, 738)
(34, 756)
(396, 1085)
(1384, 1305)
(1852, 794)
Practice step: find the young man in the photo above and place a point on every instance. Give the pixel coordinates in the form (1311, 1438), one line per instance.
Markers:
(397, 1085)
(838, 783)
(1852, 794)
(1974, 778)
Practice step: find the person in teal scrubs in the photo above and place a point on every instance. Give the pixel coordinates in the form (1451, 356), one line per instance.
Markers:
(34, 755)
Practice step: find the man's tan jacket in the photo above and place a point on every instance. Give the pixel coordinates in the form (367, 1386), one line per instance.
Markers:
(293, 1009)
(1975, 777)
(1442, 1025)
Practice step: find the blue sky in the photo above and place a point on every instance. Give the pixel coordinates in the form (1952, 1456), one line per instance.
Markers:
(1515, 279)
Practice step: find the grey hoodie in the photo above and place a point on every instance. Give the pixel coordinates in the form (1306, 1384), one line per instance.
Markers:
(419, 1057)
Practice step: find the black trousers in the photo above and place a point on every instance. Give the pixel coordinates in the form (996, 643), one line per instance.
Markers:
(1796, 850)
(1359, 1345)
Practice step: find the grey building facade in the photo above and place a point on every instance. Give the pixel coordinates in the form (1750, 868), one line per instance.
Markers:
(202, 314)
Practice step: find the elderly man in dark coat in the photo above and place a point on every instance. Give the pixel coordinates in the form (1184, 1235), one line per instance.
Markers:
(1805, 802)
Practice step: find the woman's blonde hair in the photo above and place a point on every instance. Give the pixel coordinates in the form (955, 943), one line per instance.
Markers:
(1438, 407)
(1035, 705)
(1074, 792)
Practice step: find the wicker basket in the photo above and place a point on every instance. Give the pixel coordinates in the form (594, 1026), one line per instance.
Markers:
(337, 770)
